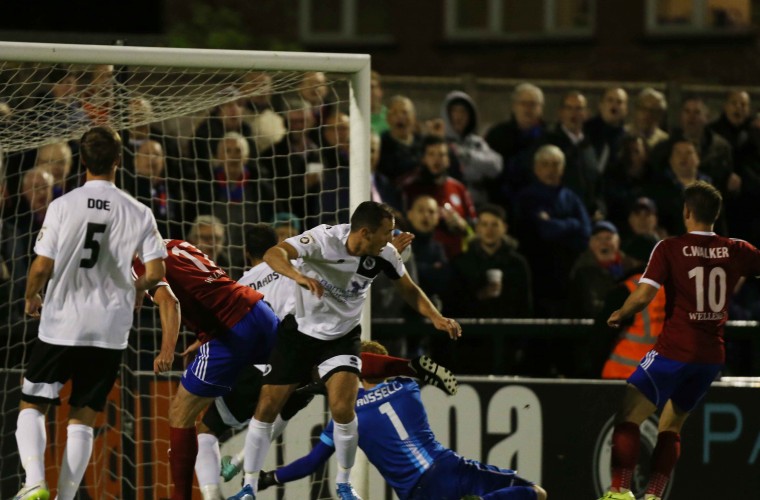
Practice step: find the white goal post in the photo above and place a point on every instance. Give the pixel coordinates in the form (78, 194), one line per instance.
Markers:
(179, 83)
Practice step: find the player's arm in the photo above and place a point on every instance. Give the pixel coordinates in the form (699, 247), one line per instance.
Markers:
(419, 301)
(636, 302)
(279, 259)
(297, 469)
(169, 311)
(39, 273)
(154, 272)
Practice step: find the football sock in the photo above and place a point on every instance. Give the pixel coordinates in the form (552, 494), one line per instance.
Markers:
(257, 443)
(30, 438)
(208, 466)
(211, 492)
(76, 456)
(182, 454)
(278, 426)
(625, 454)
(346, 439)
(664, 458)
(380, 366)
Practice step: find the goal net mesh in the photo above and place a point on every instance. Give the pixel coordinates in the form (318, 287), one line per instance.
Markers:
(210, 151)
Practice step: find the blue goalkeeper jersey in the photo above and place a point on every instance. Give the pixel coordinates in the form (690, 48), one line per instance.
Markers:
(394, 433)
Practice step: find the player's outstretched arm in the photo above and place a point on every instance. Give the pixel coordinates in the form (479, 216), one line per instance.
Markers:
(636, 302)
(416, 298)
(39, 273)
(169, 311)
(297, 469)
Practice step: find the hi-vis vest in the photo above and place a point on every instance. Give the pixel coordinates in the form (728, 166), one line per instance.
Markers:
(638, 338)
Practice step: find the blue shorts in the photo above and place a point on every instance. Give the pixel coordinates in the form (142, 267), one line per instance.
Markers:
(452, 477)
(219, 361)
(659, 379)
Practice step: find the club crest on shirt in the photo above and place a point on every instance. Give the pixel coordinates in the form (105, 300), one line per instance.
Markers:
(305, 240)
(368, 263)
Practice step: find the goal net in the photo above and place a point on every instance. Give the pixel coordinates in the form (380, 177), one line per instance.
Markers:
(213, 141)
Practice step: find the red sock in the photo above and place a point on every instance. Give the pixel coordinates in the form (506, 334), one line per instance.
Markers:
(625, 454)
(664, 458)
(184, 450)
(381, 366)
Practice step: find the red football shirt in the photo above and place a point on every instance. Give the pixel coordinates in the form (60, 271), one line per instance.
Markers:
(699, 272)
(211, 302)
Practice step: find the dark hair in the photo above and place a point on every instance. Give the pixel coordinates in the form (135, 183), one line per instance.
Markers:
(431, 140)
(495, 210)
(370, 214)
(100, 149)
(704, 201)
(258, 239)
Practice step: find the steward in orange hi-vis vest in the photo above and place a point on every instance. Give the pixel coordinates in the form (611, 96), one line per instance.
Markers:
(638, 338)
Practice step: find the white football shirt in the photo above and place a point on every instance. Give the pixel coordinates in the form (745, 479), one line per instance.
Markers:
(346, 279)
(92, 234)
(279, 291)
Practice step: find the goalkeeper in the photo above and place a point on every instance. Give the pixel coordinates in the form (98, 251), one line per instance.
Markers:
(395, 435)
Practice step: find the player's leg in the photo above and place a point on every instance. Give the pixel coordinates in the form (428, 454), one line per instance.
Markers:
(379, 366)
(342, 388)
(93, 376)
(233, 410)
(473, 478)
(31, 440)
(684, 399)
(290, 363)
(259, 437)
(339, 367)
(649, 388)
(47, 370)
(208, 462)
(211, 374)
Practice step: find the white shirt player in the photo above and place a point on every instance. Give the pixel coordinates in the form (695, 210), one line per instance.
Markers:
(279, 291)
(346, 279)
(92, 234)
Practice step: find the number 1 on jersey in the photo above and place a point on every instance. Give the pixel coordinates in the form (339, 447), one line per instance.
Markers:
(387, 409)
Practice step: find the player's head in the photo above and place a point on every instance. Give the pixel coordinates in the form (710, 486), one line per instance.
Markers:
(100, 149)
(258, 239)
(374, 347)
(372, 226)
(701, 203)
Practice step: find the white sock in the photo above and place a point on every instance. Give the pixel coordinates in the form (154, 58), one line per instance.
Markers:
(257, 443)
(31, 438)
(238, 459)
(208, 466)
(76, 456)
(211, 492)
(346, 438)
(278, 427)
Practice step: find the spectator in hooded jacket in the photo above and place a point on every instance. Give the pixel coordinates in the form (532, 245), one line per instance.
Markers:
(478, 163)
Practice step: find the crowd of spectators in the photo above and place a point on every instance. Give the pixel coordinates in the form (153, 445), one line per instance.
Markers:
(533, 216)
